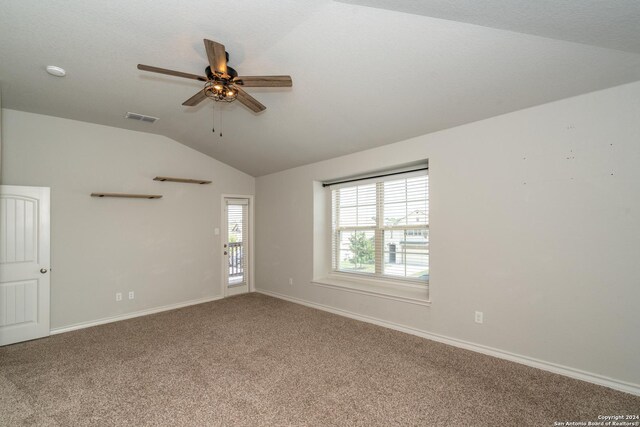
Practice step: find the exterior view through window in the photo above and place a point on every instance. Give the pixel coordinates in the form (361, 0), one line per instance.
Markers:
(236, 215)
(381, 228)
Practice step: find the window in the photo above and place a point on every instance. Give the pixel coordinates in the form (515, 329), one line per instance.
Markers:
(380, 227)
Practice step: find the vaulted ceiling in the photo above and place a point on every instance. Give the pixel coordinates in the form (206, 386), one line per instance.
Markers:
(365, 72)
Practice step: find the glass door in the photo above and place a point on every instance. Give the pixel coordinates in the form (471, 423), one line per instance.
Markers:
(236, 246)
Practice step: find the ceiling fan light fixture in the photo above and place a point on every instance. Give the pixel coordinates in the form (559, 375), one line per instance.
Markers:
(220, 91)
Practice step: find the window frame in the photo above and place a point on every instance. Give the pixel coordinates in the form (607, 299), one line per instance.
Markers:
(378, 230)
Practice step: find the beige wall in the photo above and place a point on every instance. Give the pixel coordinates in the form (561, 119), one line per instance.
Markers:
(1, 134)
(534, 221)
(165, 250)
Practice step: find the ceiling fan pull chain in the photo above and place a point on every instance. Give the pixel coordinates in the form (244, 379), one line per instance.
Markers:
(220, 122)
(213, 119)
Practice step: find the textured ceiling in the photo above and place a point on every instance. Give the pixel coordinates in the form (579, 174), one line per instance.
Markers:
(362, 77)
(613, 24)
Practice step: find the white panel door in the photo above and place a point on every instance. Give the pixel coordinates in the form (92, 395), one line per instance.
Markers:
(236, 246)
(24, 263)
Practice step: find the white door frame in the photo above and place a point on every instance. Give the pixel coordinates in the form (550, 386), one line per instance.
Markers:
(224, 262)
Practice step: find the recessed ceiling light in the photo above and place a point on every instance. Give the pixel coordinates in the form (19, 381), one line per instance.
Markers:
(56, 71)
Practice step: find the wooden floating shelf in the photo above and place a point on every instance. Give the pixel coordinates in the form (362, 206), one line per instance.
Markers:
(128, 196)
(184, 180)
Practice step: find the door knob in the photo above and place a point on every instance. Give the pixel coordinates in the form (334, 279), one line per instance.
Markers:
(224, 246)
(225, 252)
(43, 270)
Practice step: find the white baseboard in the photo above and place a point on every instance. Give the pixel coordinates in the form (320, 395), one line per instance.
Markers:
(119, 317)
(524, 360)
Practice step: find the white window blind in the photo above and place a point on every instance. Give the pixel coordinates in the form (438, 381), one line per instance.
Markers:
(381, 227)
(237, 220)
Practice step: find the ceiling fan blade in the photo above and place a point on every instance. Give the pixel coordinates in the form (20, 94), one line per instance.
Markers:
(217, 56)
(249, 101)
(171, 72)
(195, 99)
(264, 81)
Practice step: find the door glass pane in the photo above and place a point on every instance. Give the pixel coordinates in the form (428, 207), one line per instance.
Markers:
(236, 237)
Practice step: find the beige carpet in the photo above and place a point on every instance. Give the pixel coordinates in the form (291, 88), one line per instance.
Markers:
(254, 360)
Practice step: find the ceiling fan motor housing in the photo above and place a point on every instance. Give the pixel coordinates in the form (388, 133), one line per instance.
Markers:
(212, 76)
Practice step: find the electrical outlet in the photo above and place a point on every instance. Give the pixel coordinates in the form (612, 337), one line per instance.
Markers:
(131, 295)
(291, 281)
(118, 296)
(479, 316)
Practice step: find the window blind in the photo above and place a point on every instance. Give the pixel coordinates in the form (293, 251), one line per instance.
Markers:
(381, 227)
(237, 220)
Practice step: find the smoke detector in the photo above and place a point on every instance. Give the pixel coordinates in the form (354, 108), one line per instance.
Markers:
(56, 71)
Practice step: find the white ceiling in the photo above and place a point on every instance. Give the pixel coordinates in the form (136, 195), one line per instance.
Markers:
(614, 24)
(362, 76)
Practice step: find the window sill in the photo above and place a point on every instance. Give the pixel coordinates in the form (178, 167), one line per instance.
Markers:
(376, 287)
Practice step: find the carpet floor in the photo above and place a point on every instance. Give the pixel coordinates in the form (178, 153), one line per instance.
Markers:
(254, 360)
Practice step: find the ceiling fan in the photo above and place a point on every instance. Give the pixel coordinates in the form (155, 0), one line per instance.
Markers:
(222, 82)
